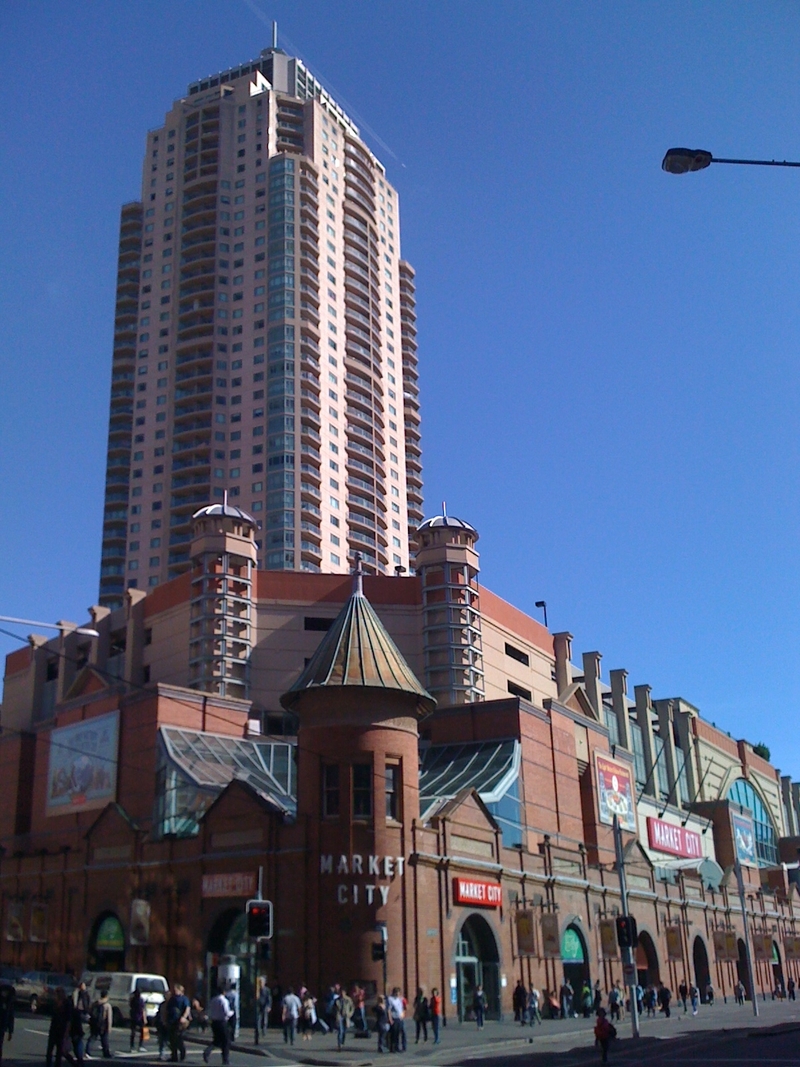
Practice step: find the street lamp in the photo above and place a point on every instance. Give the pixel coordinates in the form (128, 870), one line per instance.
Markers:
(85, 631)
(684, 160)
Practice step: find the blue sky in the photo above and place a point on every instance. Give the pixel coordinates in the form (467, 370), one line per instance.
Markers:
(608, 354)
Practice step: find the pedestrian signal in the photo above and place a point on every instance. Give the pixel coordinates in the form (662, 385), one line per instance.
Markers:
(627, 934)
(259, 919)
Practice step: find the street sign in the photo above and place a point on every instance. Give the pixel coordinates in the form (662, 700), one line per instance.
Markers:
(629, 976)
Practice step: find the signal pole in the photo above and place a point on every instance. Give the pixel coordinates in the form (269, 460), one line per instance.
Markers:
(628, 961)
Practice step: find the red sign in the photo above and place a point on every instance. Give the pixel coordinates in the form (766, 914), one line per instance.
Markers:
(232, 884)
(480, 894)
(676, 840)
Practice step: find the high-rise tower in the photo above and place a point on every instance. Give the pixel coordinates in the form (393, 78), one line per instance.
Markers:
(264, 339)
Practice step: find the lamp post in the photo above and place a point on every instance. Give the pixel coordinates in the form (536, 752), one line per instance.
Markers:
(684, 160)
(84, 630)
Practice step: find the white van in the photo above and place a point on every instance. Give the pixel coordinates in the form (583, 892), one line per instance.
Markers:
(120, 985)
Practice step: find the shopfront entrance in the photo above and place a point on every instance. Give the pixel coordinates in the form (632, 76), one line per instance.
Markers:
(106, 949)
(574, 959)
(477, 962)
(228, 943)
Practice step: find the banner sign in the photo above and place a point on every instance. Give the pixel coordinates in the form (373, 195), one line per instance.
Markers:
(674, 941)
(762, 946)
(791, 947)
(140, 923)
(479, 894)
(732, 945)
(526, 938)
(608, 940)
(744, 839)
(615, 793)
(38, 921)
(15, 911)
(232, 884)
(551, 939)
(82, 769)
(676, 840)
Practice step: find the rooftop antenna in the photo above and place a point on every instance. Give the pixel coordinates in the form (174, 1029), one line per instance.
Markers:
(358, 577)
(274, 34)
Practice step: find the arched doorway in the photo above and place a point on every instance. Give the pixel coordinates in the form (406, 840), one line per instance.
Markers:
(778, 984)
(702, 973)
(228, 942)
(106, 951)
(477, 963)
(741, 969)
(575, 960)
(646, 961)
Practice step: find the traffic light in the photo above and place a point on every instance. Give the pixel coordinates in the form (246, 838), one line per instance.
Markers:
(627, 934)
(259, 919)
(378, 951)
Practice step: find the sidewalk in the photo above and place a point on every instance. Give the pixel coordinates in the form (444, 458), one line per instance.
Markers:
(460, 1042)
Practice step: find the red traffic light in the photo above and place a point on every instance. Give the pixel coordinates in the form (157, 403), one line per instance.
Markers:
(259, 919)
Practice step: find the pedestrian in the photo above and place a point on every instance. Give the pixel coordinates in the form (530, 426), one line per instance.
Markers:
(7, 1004)
(519, 1001)
(615, 1002)
(421, 1015)
(137, 1017)
(597, 1003)
(565, 996)
(709, 993)
(534, 1005)
(382, 1024)
(639, 1000)
(791, 989)
(586, 999)
(359, 998)
(435, 1006)
(264, 1004)
(604, 1032)
(343, 1009)
(694, 998)
(308, 1016)
(219, 1014)
(683, 994)
(290, 1014)
(397, 1024)
(58, 1034)
(740, 993)
(664, 997)
(179, 1012)
(101, 1020)
(650, 1001)
(76, 1034)
(479, 1005)
(162, 1028)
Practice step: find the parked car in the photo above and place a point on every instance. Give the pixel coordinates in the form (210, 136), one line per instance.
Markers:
(10, 974)
(36, 990)
(120, 985)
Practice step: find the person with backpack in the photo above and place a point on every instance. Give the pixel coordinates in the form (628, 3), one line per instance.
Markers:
(604, 1032)
(179, 1013)
(421, 1015)
(101, 1018)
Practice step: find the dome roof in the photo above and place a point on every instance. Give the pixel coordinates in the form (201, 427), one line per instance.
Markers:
(446, 520)
(227, 511)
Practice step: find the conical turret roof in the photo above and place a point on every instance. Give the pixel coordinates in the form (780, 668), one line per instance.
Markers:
(358, 652)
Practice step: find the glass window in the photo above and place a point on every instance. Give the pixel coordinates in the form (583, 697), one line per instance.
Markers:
(742, 792)
(393, 791)
(330, 790)
(362, 791)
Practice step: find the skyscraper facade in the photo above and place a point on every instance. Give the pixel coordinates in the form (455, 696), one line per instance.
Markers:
(264, 340)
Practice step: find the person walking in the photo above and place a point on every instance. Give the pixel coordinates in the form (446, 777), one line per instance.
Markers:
(534, 1005)
(479, 1006)
(565, 997)
(791, 989)
(604, 1033)
(664, 997)
(586, 999)
(8, 996)
(343, 1009)
(179, 1012)
(683, 994)
(597, 1002)
(100, 1022)
(650, 1001)
(264, 1004)
(359, 998)
(76, 1034)
(435, 1006)
(421, 1015)
(137, 1017)
(694, 998)
(615, 1002)
(58, 1033)
(308, 1016)
(382, 1024)
(290, 1013)
(740, 993)
(397, 1024)
(519, 1001)
(219, 1013)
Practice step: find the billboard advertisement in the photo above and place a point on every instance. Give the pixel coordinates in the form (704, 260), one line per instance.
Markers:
(616, 793)
(744, 839)
(82, 770)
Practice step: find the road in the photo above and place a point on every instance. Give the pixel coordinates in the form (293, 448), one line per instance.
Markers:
(723, 1036)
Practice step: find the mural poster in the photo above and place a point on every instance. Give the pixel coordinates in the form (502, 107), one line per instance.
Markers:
(15, 913)
(674, 941)
(744, 839)
(616, 793)
(526, 938)
(82, 771)
(140, 923)
(608, 940)
(551, 939)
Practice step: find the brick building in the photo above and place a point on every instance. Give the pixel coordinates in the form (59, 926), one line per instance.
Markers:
(411, 751)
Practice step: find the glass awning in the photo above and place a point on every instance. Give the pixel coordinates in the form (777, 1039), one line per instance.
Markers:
(491, 768)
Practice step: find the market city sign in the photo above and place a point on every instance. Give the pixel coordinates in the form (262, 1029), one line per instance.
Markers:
(373, 867)
(480, 894)
(676, 840)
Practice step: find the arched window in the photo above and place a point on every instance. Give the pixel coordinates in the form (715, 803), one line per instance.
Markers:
(741, 792)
